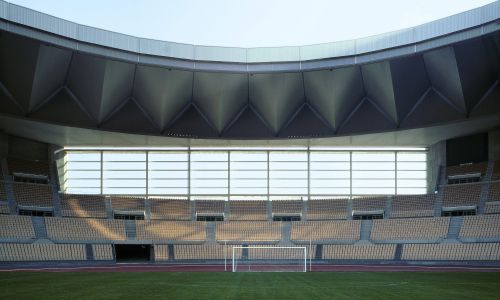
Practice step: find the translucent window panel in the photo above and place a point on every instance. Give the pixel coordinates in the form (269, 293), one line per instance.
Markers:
(124, 191)
(248, 156)
(373, 183)
(152, 183)
(172, 174)
(288, 174)
(244, 197)
(257, 183)
(372, 191)
(124, 156)
(208, 190)
(412, 174)
(127, 183)
(329, 183)
(373, 165)
(254, 165)
(167, 191)
(124, 165)
(209, 156)
(209, 183)
(287, 191)
(93, 174)
(330, 156)
(249, 174)
(409, 156)
(83, 156)
(178, 165)
(412, 166)
(330, 191)
(286, 165)
(80, 165)
(211, 165)
(326, 165)
(330, 174)
(411, 191)
(123, 174)
(248, 191)
(280, 183)
(373, 174)
(167, 156)
(412, 183)
(208, 174)
(288, 156)
(81, 183)
(373, 156)
(77, 190)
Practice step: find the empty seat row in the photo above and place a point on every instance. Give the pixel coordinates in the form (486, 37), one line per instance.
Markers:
(359, 252)
(85, 229)
(102, 251)
(248, 231)
(16, 227)
(42, 252)
(83, 206)
(171, 230)
(325, 231)
(460, 252)
(487, 226)
(410, 229)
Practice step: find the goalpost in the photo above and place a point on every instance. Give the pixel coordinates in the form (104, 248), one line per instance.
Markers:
(269, 259)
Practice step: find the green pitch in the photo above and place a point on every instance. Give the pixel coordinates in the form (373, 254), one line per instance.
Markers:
(151, 285)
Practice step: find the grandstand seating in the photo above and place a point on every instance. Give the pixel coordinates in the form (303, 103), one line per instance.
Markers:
(161, 252)
(102, 251)
(248, 231)
(171, 230)
(327, 209)
(495, 175)
(368, 203)
(170, 209)
(28, 167)
(83, 206)
(494, 191)
(247, 210)
(465, 169)
(120, 203)
(209, 207)
(33, 194)
(284, 253)
(4, 207)
(325, 231)
(410, 206)
(460, 252)
(363, 252)
(85, 229)
(467, 194)
(480, 227)
(410, 229)
(17, 227)
(492, 208)
(287, 206)
(202, 251)
(12, 252)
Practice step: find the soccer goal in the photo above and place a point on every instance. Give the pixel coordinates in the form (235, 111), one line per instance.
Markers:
(269, 259)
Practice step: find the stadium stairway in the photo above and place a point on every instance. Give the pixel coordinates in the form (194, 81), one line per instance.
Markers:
(210, 229)
(349, 209)
(399, 252)
(388, 207)
(39, 227)
(286, 231)
(130, 229)
(366, 230)
(485, 188)
(56, 202)
(89, 252)
(454, 228)
(147, 209)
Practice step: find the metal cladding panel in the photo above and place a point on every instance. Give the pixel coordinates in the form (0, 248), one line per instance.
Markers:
(3, 9)
(221, 67)
(42, 21)
(328, 63)
(383, 41)
(108, 52)
(449, 39)
(383, 55)
(39, 35)
(228, 54)
(169, 49)
(107, 38)
(273, 54)
(274, 67)
(327, 50)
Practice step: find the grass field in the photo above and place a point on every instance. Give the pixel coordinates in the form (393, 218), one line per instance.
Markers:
(151, 285)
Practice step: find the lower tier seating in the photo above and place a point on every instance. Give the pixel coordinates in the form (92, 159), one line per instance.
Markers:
(492, 208)
(102, 251)
(324, 231)
(364, 252)
(161, 252)
(42, 252)
(16, 227)
(480, 227)
(171, 230)
(410, 229)
(4, 208)
(472, 251)
(85, 229)
(248, 231)
(202, 252)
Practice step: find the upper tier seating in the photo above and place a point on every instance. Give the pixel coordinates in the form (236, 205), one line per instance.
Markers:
(327, 209)
(378, 252)
(410, 229)
(248, 232)
(85, 229)
(18, 227)
(247, 210)
(287, 206)
(209, 207)
(410, 206)
(42, 252)
(466, 194)
(470, 251)
(465, 169)
(83, 206)
(33, 194)
(487, 226)
(325, 231)
(28, 167)
(171, 230)
(492, 208)
(120, 203)
(368, 203)
(170, 209)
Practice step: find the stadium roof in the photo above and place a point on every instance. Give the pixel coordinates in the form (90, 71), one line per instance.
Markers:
(71, 84)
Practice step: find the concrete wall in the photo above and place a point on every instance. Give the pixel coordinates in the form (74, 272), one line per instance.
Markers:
(436, 157)
(22, 148)
(494, 145)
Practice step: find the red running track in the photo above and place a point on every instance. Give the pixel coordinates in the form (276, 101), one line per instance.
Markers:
(220, 268)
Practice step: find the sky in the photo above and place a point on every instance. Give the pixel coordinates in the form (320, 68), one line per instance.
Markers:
(251, 23)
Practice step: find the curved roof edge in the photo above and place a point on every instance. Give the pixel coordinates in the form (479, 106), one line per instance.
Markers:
(50, 29)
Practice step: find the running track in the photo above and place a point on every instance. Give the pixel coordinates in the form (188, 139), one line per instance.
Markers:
(220, 268)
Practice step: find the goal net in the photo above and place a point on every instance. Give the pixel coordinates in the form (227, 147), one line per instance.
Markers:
(269, 259)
